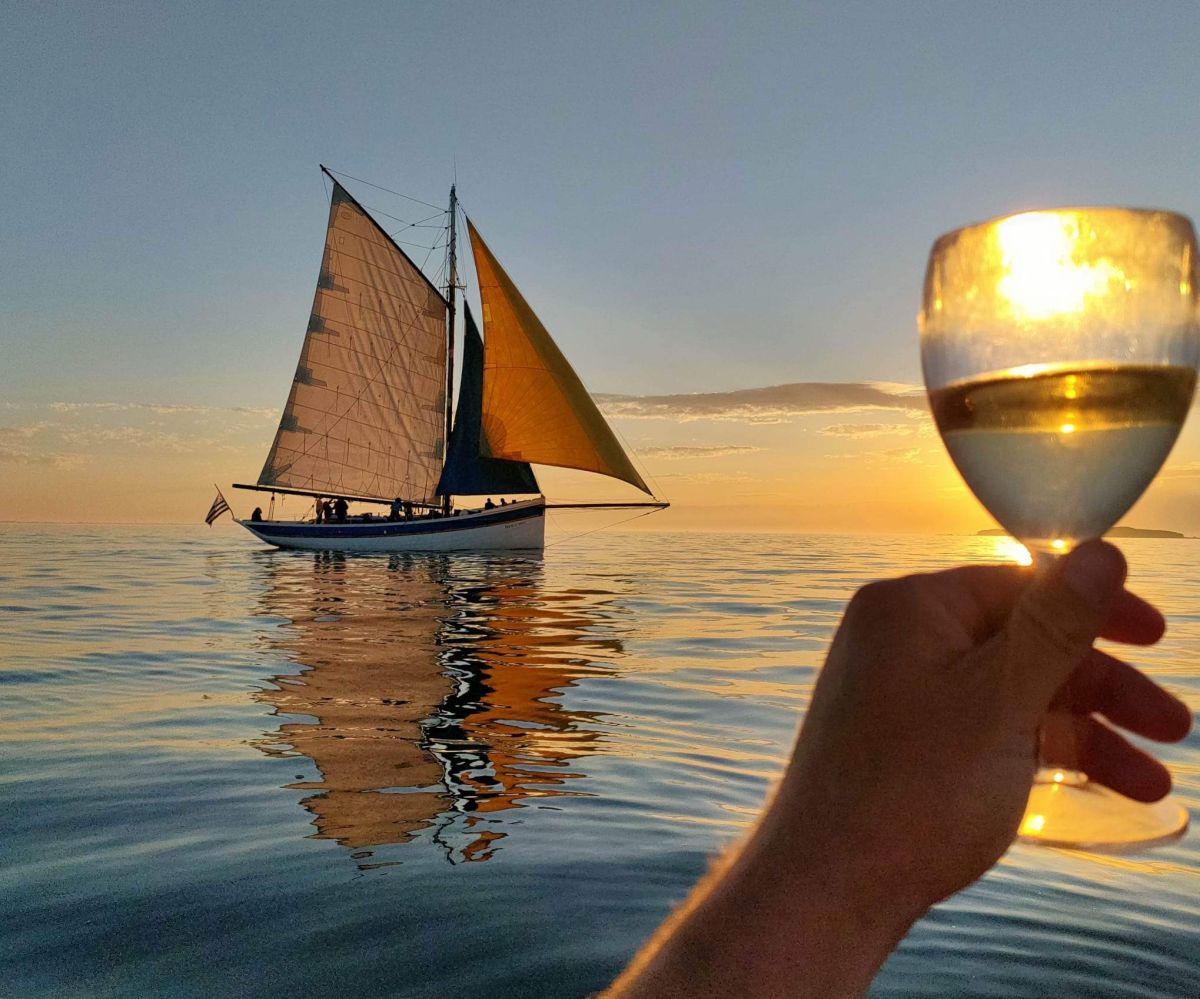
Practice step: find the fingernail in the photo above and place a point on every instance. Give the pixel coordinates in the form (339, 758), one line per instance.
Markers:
(1095, 571)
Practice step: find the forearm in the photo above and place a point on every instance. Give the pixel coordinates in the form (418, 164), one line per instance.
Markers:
(784, 914)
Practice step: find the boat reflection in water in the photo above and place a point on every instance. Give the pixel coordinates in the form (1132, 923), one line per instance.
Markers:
(431, 688)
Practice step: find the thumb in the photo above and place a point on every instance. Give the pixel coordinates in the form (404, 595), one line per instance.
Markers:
(1058, 618)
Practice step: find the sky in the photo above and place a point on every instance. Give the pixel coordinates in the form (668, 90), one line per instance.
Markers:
(721, 211)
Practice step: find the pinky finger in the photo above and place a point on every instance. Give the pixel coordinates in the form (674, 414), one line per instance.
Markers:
(1108, 758)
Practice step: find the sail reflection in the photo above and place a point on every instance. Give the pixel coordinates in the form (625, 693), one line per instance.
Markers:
(430, 692)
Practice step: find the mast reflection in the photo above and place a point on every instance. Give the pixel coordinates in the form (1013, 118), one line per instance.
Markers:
(432, 688)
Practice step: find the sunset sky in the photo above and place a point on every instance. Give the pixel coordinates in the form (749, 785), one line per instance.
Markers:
(721, 212)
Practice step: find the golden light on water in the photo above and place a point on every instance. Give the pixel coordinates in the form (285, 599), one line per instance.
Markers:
(1041, 275)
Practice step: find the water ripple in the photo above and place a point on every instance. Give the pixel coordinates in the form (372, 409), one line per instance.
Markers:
(427, 775)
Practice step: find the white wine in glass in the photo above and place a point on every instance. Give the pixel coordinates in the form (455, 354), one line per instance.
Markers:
(1059, 350)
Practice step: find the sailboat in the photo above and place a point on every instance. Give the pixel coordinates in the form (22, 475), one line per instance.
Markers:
(369, 415)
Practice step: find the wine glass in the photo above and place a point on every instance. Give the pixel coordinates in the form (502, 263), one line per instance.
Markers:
(1059, 350)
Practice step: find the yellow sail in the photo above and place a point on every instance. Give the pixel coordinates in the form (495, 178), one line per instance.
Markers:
(535, 408)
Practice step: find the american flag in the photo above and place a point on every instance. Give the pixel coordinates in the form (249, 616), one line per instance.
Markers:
(219, 506)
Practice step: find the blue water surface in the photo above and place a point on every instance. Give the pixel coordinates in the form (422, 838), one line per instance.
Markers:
(229, 771)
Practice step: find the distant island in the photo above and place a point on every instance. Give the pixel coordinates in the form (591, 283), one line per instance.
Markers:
(1116, 532)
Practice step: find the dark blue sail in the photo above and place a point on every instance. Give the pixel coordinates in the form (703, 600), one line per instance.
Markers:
(467, 472)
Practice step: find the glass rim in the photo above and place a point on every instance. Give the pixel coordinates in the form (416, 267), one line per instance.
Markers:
(1064, 209)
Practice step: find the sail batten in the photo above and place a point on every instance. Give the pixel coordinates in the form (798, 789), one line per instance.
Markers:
(365, 415)
(535, 408)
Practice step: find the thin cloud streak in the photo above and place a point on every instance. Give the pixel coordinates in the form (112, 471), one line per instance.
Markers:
(710, 477)
(684, 451)
(905, 454)
(161, 409)
(29, 457)
(772, 404)
(869, 429)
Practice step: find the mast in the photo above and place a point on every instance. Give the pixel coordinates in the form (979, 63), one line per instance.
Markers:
(451, 289)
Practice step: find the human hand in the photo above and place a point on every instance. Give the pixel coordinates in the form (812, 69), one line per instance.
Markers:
(916, 756)
(912, 770)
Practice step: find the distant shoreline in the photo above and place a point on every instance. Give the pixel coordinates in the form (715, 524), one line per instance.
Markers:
(1116, 532)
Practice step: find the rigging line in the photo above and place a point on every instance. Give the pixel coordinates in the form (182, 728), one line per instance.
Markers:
(395, 317)
(395, 346)
(395, 218)
(441, 243)
(359, 180)
(606, 527)
(630, 453)
(404, 332)
(437, 245)
(467, 260)
(410, 225)
(370, 382)
(406, 242)
(409, 268)
(552, 521)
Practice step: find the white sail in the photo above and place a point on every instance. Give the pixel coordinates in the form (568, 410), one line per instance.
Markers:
(366, 413)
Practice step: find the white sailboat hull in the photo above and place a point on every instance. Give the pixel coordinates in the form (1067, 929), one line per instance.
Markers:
(514, 527)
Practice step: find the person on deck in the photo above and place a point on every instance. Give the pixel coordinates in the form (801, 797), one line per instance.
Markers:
(256, 514)
(340, 507)
(320, 510)
(394, 509)
(911, 771)
(489, 505)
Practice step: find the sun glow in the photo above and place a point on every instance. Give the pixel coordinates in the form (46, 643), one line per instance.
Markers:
(1033, 823)
(1041, 277)
(1011, 550)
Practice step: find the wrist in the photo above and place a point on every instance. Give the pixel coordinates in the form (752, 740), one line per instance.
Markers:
(785, 914)
(830, 903)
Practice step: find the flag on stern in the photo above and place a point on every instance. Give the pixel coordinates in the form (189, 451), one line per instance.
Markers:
(219, 506)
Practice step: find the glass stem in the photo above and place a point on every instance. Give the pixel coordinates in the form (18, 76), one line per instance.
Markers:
(1059, 747)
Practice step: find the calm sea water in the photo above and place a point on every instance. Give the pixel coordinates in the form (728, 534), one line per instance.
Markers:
(232, 771)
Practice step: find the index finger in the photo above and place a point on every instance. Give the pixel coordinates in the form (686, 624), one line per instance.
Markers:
(981, 597)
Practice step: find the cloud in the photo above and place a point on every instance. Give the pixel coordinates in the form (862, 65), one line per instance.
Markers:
(708, 477)
(26, 431)
(72, 433)
(869, 429)
(1181, 470)
(159, 408)
(906, 454)
(773, 404)
(25, 456)
(148, 438)
(677, 453)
